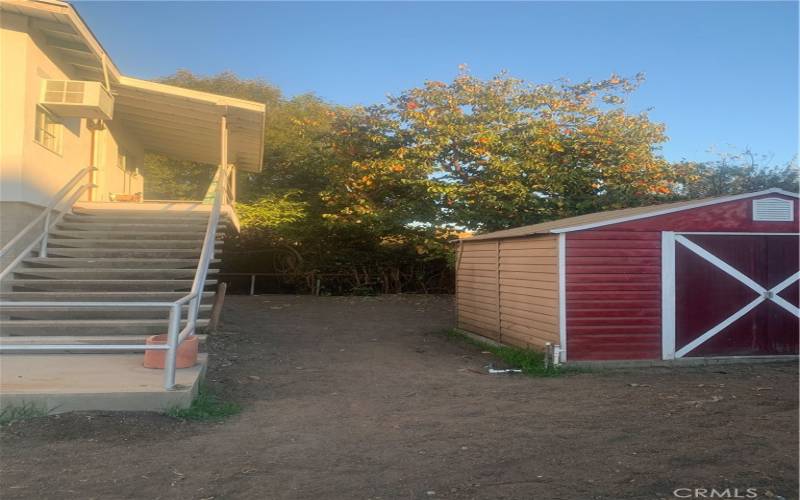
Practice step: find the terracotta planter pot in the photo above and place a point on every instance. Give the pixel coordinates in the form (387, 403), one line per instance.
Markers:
(185, 358)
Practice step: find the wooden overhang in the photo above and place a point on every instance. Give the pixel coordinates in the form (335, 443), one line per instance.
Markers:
(68, 35)
(185, 124)
(180, 123)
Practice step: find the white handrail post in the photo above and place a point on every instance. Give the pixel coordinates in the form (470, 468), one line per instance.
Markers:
(172, 343)
(45, 232)
(193, 310)
(232, 199)
(222, 180)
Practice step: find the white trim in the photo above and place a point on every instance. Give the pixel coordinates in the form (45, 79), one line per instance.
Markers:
(667, 295)
(732, 271)
(774, 291)
(191, 95)
(723, 325)
(688, 206)
(790, 308)
(785, 283)
(711, 233)
(562, 294)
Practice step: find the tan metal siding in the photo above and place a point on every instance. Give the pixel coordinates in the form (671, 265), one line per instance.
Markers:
(507, 290)
(476, 288)
(529, 291)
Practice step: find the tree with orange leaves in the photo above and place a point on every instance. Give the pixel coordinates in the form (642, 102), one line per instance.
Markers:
(504, 152)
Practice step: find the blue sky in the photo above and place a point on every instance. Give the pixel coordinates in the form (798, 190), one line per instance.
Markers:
(720, 75)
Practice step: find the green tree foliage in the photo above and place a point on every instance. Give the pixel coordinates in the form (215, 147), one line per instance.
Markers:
(375, 193)
(168, 179)
(292, 211)
(735, 173)
(503, 152)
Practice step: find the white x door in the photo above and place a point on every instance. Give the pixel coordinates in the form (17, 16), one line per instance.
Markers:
(729, 294)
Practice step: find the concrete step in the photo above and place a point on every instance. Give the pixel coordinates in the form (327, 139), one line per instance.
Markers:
(107, 274)
(121, 263)
(56, 312)
(124, 253)
(201, 220)
(110, 296)
(126, 244)
(88, 327)
(101, 382)
(198, 210)
(132, 217)
(101, 285)
(92, 225)
(124, 235)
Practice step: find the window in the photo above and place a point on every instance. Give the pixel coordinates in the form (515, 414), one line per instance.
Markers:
(49, 130)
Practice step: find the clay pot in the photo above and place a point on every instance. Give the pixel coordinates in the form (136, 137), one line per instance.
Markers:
(185, 358)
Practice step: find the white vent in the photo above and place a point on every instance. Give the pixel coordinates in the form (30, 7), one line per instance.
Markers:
(773, 209)
(71, 98)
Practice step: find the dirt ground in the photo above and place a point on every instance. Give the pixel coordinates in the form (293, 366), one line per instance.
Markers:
(364, 398)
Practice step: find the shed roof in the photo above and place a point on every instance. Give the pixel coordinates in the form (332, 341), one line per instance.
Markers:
(598, 219)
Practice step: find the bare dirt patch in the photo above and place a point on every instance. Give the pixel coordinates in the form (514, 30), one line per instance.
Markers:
(350, 398)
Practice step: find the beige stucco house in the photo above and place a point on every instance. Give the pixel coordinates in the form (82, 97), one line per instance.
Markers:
(89, 270)
(45, 139)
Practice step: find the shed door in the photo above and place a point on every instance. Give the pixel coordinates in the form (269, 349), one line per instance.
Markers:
(736, 295)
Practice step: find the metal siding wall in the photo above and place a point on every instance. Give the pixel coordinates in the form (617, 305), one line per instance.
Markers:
(529, 291)
(613, 291)
(477, 290)
(613, 295)
(507, 290)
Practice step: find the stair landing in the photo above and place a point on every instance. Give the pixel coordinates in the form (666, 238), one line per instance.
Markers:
(147, 206)
(59, 383)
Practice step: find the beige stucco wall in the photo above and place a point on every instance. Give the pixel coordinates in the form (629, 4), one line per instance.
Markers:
(14, 216)
(13, 45)
(29, 172)
(110, 177)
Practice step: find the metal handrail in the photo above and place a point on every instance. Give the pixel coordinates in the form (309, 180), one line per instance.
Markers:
(208, 241)
(42, 238)
(175, 335)
(58, 198)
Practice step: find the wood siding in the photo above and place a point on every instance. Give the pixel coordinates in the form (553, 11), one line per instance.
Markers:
(613, 295)
(507, 290)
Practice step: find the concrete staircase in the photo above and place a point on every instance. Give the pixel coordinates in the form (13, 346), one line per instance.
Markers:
(108, 255)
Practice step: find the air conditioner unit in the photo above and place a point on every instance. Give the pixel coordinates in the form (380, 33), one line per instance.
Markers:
(72, 98)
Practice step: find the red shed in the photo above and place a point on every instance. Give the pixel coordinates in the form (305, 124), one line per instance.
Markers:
(703, 278)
